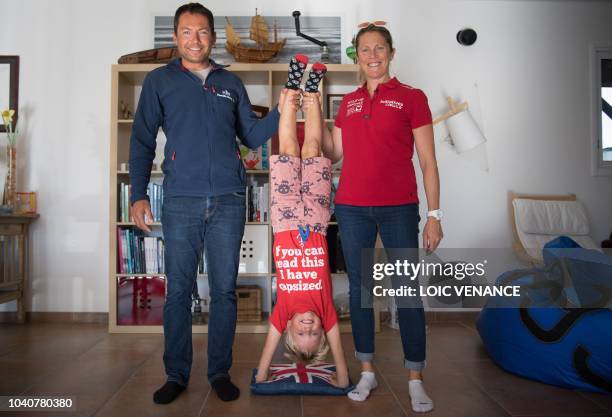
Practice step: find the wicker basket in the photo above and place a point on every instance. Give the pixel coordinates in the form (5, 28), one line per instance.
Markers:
(249, 303)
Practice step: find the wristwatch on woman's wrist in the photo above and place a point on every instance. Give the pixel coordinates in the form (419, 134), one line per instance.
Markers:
(436, 214)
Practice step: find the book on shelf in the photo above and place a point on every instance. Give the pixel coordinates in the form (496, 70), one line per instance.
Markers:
(156, 195)
(160, 255)
(139, 254)
(255, 158)
(265, 156)
(150, 249)
(257, 200)
(124, 202)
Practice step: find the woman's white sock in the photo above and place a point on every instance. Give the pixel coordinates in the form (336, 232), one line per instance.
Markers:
(421, 403)
(366, 383)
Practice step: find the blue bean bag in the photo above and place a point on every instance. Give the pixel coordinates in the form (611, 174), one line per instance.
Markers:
(298, 379)
(540, 335)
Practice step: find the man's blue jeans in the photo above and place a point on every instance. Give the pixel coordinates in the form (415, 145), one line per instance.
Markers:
(190, 224)
(399, 228)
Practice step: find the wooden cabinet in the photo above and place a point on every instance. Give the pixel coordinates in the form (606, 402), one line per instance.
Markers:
(14, 236)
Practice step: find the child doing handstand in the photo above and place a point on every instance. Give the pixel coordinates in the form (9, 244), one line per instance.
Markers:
(300, 214)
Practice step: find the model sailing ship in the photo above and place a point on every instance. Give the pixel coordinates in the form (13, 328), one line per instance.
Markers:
(262, 51)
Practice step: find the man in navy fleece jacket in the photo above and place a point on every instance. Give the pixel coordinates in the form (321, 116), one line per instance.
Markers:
(201, 108)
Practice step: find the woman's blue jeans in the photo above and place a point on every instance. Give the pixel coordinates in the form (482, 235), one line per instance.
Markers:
(399, 228)
(189, 225)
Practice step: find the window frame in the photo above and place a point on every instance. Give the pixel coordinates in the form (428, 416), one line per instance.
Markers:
(599, 167)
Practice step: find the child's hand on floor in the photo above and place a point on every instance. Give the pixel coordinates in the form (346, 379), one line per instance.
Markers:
(262, 375)
(337, 383)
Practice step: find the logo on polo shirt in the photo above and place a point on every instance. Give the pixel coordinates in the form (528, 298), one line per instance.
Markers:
(354, 106)
(392, 103)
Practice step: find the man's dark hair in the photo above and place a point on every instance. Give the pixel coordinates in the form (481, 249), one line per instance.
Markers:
(194, 8)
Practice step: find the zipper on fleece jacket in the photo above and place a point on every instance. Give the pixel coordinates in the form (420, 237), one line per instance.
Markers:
(209, 91)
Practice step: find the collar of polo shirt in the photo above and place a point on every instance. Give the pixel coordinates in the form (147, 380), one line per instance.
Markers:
(392, 83)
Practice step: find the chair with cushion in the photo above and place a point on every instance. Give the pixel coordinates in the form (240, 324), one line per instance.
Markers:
(538, 219)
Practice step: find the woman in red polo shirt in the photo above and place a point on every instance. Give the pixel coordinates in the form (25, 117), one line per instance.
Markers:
(377, 128)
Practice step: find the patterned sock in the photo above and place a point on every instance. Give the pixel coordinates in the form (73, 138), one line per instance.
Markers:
(315, 76)
(421, 403)
(296, 71)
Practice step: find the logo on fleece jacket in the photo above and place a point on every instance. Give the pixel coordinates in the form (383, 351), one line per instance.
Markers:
(226, 94)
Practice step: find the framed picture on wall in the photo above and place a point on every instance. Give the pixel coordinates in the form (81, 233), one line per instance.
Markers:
(333, 105)
(9, 86)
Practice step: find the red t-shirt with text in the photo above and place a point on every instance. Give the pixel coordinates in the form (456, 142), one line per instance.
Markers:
(303, 279)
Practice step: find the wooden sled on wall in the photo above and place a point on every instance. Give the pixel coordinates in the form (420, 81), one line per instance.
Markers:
(150, 56)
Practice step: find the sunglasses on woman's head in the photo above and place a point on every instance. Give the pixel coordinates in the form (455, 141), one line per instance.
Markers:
(364, 25)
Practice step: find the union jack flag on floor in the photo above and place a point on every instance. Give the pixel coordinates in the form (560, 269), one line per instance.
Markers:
(298, 379)
(302, 374)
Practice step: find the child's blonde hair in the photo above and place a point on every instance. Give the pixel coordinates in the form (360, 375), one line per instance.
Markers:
(296, 355)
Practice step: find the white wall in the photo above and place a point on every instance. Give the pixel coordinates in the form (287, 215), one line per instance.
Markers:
(526, 79)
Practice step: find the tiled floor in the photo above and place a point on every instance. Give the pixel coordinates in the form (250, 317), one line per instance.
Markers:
(115, 375)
